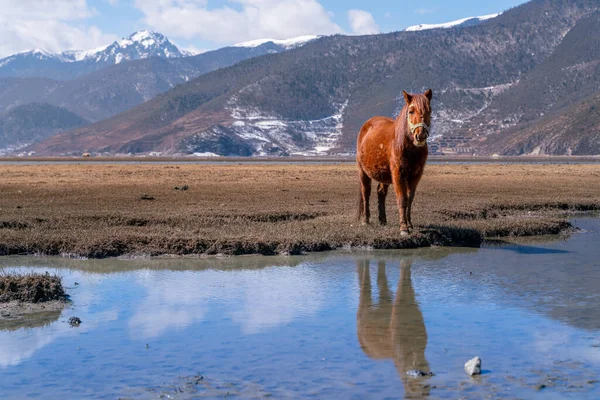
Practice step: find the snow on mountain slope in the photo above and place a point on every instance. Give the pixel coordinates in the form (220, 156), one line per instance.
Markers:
(470, 21)
(40, 53)
(35, 54)
(141, 44)
(285, 43)
(254, 132)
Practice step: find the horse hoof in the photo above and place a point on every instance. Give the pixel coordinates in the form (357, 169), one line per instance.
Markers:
(404, 233)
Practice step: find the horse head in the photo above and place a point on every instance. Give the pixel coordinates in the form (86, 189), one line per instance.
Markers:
(418, 116)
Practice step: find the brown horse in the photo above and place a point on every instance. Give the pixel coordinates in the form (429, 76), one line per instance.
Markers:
(394, 153)
(389, 328)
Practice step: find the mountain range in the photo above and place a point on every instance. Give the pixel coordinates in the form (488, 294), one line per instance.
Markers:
(313, 99)
(34, 121)
(124, 74)
(556, 108)
(40, 63)
(506, 84)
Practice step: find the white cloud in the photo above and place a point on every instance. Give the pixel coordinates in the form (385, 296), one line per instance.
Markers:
(257, 300)
(18, 346)
(362, 22)
(248, 20)
(45, 9)
(423, 11)
(54, 25)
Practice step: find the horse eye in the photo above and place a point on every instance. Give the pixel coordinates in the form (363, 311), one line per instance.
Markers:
(411, 112)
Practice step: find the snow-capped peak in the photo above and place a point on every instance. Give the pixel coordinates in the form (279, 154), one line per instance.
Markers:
(459, 22)
(80, 55)
(144, 38)
(141, 44)
(35, 54)
(285, 43)
(43, 52)
(144, 35)
(38, 52)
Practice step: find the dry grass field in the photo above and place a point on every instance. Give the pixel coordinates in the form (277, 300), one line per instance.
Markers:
(97, 210)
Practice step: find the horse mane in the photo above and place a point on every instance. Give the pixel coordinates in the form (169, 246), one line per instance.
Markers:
(402, 130)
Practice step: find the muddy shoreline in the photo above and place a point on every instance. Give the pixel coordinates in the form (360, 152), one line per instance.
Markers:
(20, 315)
(16, 310)
(112, 210)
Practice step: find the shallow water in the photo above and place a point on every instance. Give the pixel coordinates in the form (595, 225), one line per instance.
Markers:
(337, 325)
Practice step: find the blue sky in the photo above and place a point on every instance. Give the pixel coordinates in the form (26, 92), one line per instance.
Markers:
(58, 25)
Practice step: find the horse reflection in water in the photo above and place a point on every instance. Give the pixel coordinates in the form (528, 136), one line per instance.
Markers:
(393, 328)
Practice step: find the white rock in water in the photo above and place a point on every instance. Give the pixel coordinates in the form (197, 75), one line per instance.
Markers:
(473, 367)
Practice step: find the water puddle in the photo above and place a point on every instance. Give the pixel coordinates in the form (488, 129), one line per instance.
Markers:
(343, 325)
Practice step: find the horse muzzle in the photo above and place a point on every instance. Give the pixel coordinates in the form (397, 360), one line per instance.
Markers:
(421, 138)
(420, 132)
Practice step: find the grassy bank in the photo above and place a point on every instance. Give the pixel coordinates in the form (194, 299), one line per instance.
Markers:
(111, 210)
(21, 295)
(31, 288)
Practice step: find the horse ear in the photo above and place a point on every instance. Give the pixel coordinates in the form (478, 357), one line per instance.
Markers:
(407, 97)
(429, 94)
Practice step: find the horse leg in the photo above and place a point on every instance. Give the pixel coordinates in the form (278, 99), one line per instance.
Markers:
(365, 194)
(385, 295)
(382, 191)
(401, 189)
(411, 196)
(364, 280)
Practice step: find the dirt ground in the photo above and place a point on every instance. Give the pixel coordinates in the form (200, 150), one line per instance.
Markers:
(17, 315)
(103, 210)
